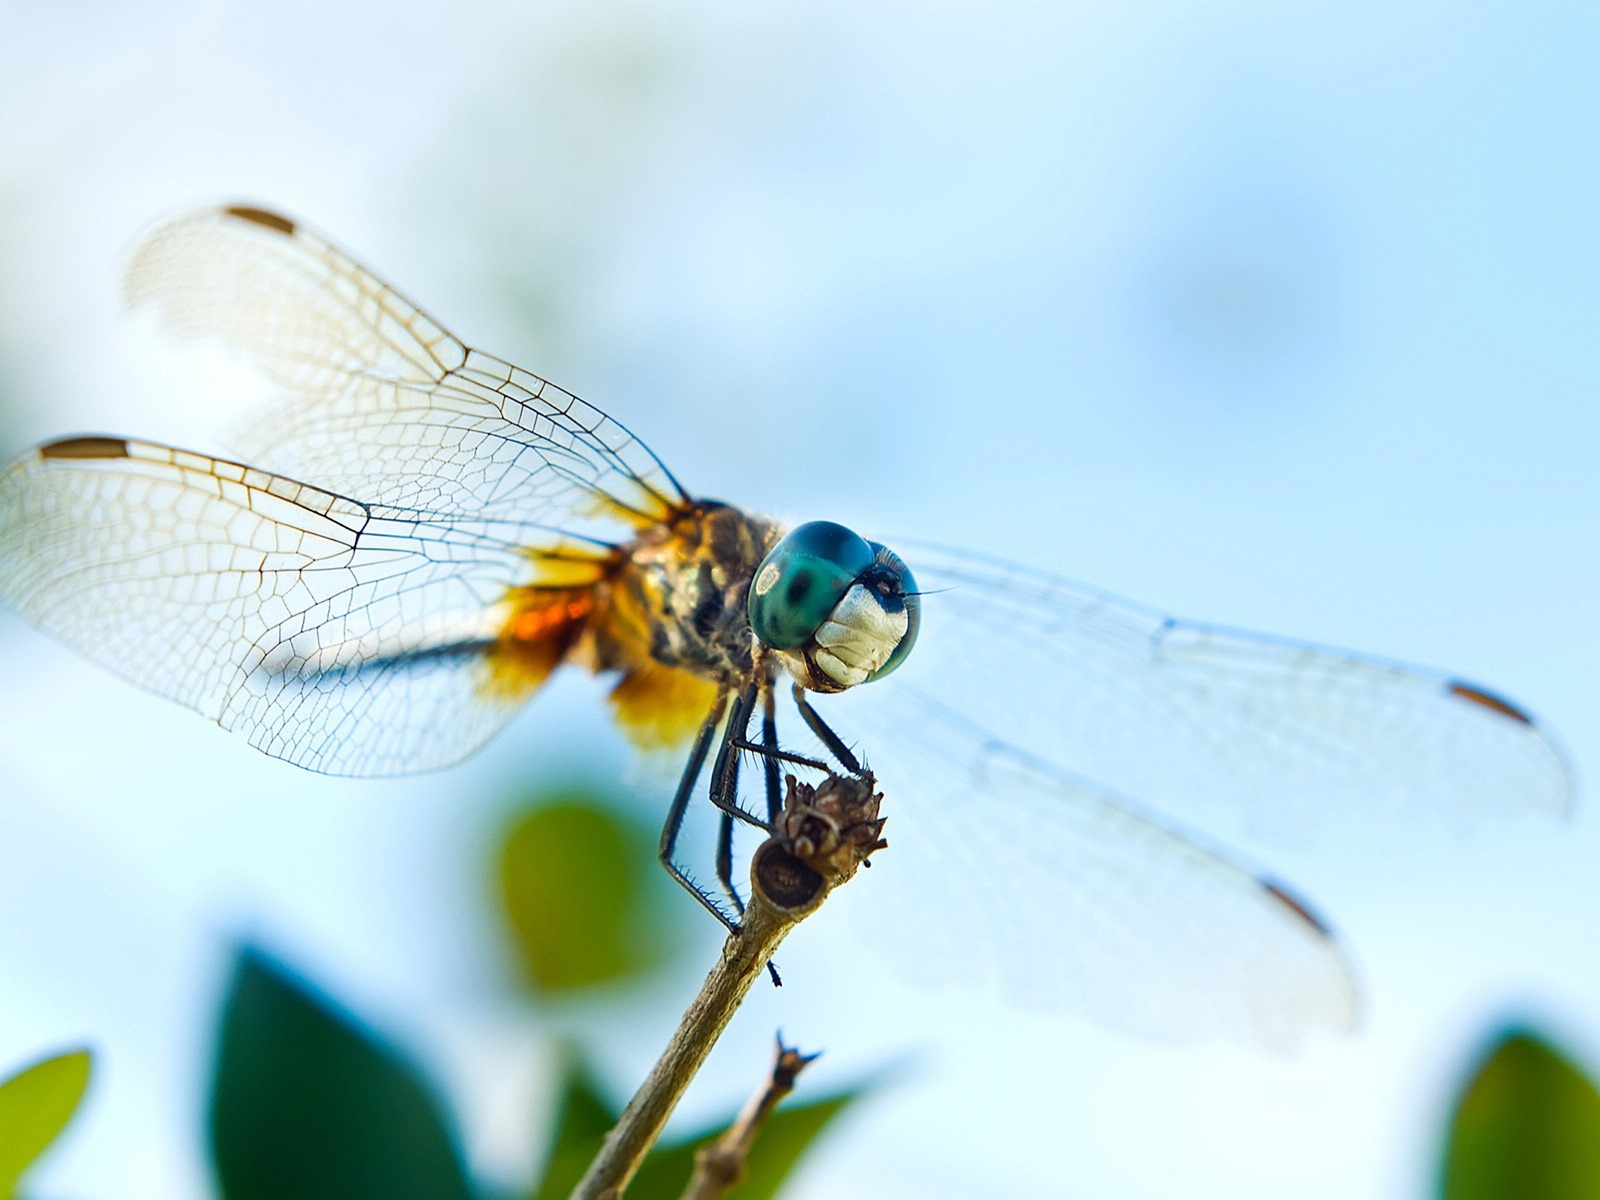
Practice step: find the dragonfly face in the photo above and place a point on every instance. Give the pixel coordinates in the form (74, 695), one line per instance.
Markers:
(420, 533)
(838, 609)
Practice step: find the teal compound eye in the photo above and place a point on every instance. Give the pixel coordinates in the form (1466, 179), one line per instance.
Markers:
(802, 581)
(894, 584)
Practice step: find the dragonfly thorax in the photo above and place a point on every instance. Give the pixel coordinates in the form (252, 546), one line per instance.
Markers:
(836, 609)
(679, 595)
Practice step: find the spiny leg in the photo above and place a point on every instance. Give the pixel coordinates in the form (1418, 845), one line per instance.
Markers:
(725, 862)
(769, 756)
(725, 773)
(680, 804)
(784, 756)
(845, 757)
(772, 756)
(725, 793)
(832, 741)
(725, 787)
(725, 765)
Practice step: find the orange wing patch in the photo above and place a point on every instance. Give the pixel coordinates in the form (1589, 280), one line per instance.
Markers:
(578, 612)
(661, 707)
(545, 625)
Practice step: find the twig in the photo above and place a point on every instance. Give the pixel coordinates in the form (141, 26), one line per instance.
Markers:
(823, 834)
(719, 1166)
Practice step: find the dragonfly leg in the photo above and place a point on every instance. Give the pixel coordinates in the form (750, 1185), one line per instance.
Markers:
(725, 773)
(775, 755)
(680, 804)
(725, 794)
(725, 862)
(770, 755)
(769, 746)
(842, 754)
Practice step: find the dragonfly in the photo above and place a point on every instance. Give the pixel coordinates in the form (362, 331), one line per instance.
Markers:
(417, 534)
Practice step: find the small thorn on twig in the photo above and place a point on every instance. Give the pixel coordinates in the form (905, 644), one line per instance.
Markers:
(719, 1166)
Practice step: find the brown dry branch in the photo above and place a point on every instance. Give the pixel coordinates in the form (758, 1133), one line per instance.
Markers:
(823, 834)
(719, 1166)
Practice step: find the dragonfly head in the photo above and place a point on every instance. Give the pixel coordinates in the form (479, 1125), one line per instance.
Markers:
(838, 610)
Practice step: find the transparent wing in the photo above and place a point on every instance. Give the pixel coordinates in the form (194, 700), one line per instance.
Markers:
(380, 402)
(1009, 745)
(1000, 869)
(1205, 722)
(345, 637)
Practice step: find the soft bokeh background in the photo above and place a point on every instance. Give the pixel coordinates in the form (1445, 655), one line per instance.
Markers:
(1272, 313)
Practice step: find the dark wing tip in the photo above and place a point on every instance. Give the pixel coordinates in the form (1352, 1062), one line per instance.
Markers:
(1473, 694)
(261, 216)
(85, 447)
(1296, 906)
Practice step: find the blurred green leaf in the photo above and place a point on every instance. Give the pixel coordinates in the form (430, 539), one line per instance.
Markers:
(306, 1105)
(35, 1106)
(583, 1119)
(1525, 1127)
(778, 1148)
(575, 886)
